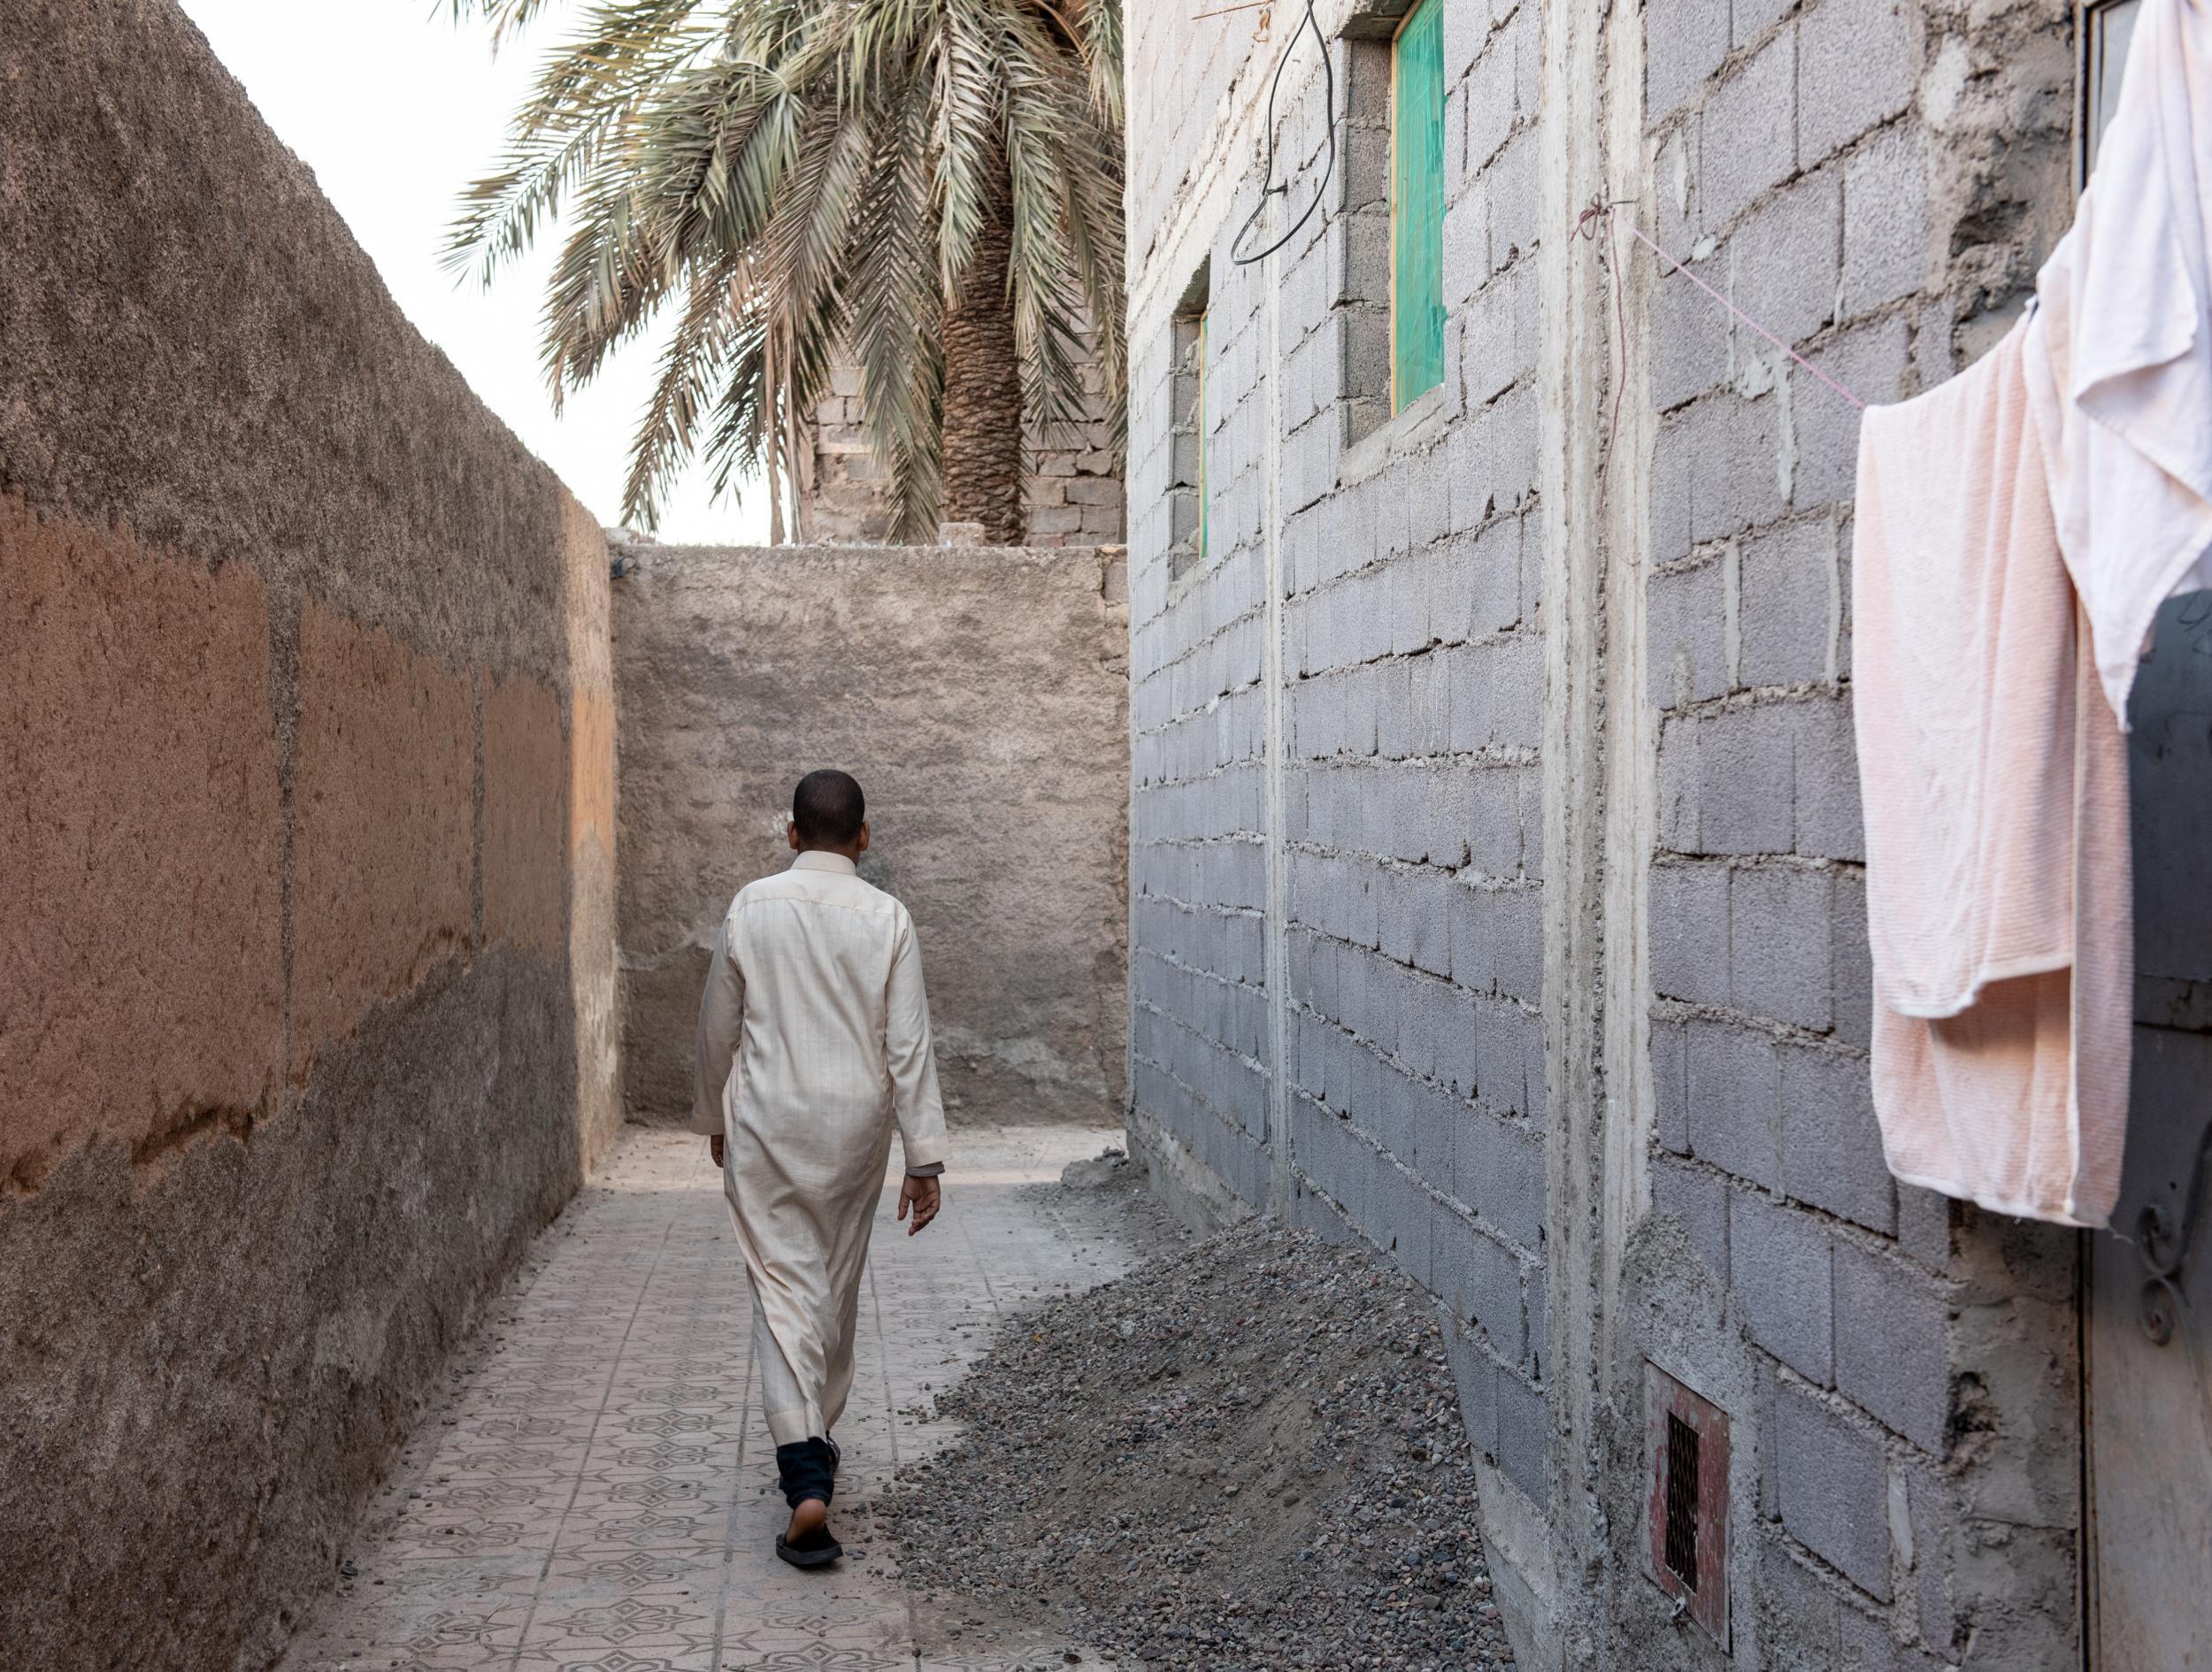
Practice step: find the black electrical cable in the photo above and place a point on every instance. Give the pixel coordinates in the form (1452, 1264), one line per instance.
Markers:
(1328, 169)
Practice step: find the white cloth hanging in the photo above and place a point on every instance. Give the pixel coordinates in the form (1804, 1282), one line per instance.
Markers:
(2119, 350)
(1994, 781)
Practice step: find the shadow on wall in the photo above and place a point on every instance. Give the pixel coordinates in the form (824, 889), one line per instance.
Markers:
(980, 695)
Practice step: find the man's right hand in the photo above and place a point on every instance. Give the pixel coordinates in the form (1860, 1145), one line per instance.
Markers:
(714, 1148)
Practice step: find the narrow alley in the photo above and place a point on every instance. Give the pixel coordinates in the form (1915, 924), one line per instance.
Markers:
(594, 1491)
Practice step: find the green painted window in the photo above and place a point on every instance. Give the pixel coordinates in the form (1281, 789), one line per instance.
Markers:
(1417, 204)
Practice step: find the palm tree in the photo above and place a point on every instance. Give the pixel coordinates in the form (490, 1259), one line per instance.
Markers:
(932, 186)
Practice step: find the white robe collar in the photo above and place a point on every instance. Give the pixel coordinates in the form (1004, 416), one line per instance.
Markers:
(814, 859)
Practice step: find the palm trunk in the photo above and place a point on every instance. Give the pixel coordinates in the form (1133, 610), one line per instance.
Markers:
(983, 385)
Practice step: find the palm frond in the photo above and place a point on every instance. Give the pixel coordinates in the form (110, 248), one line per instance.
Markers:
(802, 180)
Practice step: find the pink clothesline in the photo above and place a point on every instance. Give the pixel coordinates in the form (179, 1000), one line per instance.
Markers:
(1604, 210)
(1600, 209)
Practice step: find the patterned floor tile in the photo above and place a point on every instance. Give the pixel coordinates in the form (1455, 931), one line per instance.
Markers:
(598, 1493)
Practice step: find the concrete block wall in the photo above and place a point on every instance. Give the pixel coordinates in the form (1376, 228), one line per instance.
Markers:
(1811, 156)
(1498, 886)
(1201, 1044)
(979, 693)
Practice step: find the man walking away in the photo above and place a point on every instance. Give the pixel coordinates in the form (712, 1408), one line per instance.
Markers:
(813, 1043)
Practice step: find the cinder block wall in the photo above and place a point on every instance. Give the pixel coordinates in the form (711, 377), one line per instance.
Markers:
(979, 694)
(306, 1000)
(1497, 892)
(1071, 487)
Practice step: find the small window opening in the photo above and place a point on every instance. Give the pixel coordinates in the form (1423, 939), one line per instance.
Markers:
(1191, 348)
(2106, 26)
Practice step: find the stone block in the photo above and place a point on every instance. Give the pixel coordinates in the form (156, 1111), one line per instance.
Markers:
(1479, 1278)
(1741, 466)
(1782, 263)
(1475, 1374)
(1873, 360)
(1855, 69)
(1750, 130)
(1498, 1170)
(1791, 598)
(1684, 43)
(1852, 982)
(1781, 1263)
(1488, 365)
(1778, 956)
(1892, 1345)
(1686, 653)
(1690, 336)
(1832, 1483)
(1515, 200)
(1489, 92)
(1523, 1436)
(1886, 251)
(1497, 696)
(1689, 933)
(1670, 1083)
(1725, 782)
(1700, 1201)
(1825, 780)
(1831, 1147)
(1734, 1091)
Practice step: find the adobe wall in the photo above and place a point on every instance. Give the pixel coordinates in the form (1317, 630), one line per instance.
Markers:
(979, 694)
(1496, 870)
(306, 975)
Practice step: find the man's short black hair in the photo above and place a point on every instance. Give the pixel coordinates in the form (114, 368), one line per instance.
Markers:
(828, 808)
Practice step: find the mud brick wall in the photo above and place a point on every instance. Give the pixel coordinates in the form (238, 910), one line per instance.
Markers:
(1497, 882)
(979, 694)
(306, 957)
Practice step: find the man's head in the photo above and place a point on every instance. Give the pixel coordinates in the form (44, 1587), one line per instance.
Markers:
(829, 814)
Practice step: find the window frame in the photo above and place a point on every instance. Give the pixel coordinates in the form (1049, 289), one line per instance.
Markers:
(1430, 14)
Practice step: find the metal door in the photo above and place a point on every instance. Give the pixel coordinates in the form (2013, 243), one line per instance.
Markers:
(2149, 1348)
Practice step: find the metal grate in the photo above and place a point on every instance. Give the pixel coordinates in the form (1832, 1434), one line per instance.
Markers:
(1682, 1484)
(1686, 1509)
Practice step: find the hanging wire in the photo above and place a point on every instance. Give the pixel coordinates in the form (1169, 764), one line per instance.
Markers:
(1272, 188)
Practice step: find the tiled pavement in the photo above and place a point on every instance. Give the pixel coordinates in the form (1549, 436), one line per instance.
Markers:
(596, 1492)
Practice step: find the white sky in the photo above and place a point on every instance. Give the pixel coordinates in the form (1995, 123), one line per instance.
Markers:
(397, 108)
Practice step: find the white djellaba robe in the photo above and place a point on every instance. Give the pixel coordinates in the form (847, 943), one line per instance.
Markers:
(813, 1044)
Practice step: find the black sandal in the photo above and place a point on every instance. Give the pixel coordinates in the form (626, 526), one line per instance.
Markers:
(815, 1549)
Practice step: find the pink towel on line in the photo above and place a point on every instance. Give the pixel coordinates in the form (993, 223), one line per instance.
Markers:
(1994, 781)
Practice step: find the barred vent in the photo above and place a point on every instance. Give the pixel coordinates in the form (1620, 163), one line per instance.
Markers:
(1682, 1481)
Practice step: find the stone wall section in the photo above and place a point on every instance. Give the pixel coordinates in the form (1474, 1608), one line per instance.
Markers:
(1497, 880)
(307, 803)
(979, 693)
(1071, 484)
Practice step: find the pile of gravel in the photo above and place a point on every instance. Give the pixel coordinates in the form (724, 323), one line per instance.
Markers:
(1248, 1455)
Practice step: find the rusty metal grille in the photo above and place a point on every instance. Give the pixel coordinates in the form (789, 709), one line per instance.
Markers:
(1682, 1482)
(1686, 1509)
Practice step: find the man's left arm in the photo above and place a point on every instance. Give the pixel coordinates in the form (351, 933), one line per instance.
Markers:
(915, 1102)
(721, 1020)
